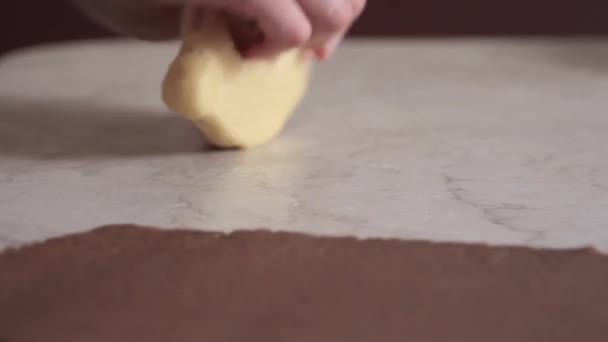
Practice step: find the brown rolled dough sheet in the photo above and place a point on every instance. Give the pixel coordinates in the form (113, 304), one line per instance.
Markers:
(126, 283)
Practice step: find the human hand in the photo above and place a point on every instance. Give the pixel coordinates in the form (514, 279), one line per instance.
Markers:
(318, 25)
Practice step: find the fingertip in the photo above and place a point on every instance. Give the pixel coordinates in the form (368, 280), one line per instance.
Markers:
(290, 34)
(260, 51)
(320, 54)
(284, 25)
(273, 45)
(327, 51)
(309, 55)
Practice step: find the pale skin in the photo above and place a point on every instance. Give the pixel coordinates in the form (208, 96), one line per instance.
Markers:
(316, 25)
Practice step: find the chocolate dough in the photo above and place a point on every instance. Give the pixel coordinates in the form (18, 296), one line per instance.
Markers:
(126, 283)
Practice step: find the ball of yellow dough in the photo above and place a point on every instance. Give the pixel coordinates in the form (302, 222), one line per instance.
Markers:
(236, 103)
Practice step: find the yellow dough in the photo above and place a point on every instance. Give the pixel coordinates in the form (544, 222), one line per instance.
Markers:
(236, 103)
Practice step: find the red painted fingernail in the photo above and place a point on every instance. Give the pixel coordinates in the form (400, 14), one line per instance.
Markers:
(320, 54)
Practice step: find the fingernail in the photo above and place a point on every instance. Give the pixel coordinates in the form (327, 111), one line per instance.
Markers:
(330, 48)
(320, 54)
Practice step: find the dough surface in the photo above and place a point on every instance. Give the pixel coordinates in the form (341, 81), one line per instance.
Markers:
(236, 103)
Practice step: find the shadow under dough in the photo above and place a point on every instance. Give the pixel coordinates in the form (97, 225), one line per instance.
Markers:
(71, 129)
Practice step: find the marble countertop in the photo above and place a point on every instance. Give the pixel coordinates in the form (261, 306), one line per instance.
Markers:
(497, 141)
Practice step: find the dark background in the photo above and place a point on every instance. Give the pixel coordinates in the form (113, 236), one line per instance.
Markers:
(26, 22)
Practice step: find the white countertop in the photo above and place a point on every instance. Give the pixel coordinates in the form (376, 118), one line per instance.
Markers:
(504, 142)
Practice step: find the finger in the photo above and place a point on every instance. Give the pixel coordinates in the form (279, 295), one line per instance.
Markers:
(325, 52)
(283, 24)
(330, 19)
(244, 33)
